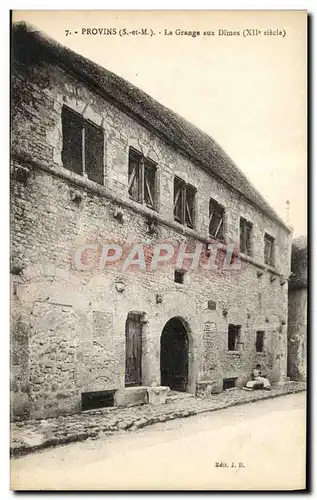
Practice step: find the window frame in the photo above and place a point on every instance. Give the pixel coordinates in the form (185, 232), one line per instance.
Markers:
(143, 168)
(269, 260)
(216, 210)
(187, 206)
(244, 226)
(237, 339)
(181, 273)
(262, 332)
(84, 122)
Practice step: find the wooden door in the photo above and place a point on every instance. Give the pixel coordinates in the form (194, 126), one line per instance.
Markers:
(133, 351)
(174, 356)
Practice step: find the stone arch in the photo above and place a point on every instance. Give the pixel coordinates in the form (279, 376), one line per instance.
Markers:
(177, 355)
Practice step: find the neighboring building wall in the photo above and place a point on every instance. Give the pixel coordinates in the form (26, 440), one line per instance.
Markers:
(68, 326)
(297, 312)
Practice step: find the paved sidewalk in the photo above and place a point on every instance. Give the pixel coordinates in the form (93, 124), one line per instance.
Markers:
(34, 435)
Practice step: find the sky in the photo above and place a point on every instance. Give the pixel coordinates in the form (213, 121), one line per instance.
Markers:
(247, 92)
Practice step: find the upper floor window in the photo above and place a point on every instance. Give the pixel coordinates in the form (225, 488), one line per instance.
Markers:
(245, 236)
(184, 202)
(269, 250)
(83, 146)
(179, 275)
(142, 178)
(216, 217)
(234, 337)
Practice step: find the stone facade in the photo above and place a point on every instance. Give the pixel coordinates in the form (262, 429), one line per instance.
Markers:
(68, 325)
(297, 312)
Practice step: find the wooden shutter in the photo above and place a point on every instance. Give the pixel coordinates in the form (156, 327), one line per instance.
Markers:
(135, 175)
(268, 250)
(72, 127)
(94, 150)
(216, 214)
(248, 238)
(242, 236)
(179, 200)
(245, 236)
(190, 205)
(149, 183)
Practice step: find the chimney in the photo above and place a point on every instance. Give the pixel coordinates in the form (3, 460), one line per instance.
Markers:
(287, 211)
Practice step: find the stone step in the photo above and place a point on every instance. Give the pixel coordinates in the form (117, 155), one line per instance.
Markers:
(176, 396)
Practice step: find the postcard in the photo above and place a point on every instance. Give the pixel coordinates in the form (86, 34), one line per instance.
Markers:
(158, 185)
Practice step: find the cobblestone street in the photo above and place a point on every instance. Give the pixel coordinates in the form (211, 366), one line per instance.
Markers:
(32, 435)
(257, 446)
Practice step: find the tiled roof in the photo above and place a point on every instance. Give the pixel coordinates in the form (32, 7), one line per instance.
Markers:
(299, 263)
(33, 46)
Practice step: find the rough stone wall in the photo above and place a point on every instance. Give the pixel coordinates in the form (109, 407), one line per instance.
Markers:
(37, 131)
(299, 258)
(68, 326)
(297, 333)
(297, 311)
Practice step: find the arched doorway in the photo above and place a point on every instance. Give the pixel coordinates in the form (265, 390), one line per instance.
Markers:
(174, 355)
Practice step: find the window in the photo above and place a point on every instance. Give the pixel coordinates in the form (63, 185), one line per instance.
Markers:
(245, 236)
(142, 176)
(234, 334)
(216, 216)
(229, 383)
(179, 276)
(259, 342)
(83, 146)
(184, 202)
(211, 305)
(97, 399)
(268, 250)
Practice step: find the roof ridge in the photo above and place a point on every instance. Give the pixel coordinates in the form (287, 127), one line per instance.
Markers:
(199, 146)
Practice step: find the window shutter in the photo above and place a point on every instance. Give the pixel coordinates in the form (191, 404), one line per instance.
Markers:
(178, 200)
(190, 205)
(94, 151)
(149, 184)
(134, 175)
(72, 125)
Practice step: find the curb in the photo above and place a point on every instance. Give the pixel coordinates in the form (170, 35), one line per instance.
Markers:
(21, 450)
(189, 413)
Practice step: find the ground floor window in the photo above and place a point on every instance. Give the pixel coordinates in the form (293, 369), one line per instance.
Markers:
(229, 383)
(97, 399)
(234, 337)
(259, 342)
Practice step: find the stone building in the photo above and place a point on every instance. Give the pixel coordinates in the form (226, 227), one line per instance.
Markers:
(297, 311)
(95, 161)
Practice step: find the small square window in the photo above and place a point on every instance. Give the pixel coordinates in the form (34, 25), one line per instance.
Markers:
(234, 337)
(259, 343)
(212, 305)
(179, 275)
